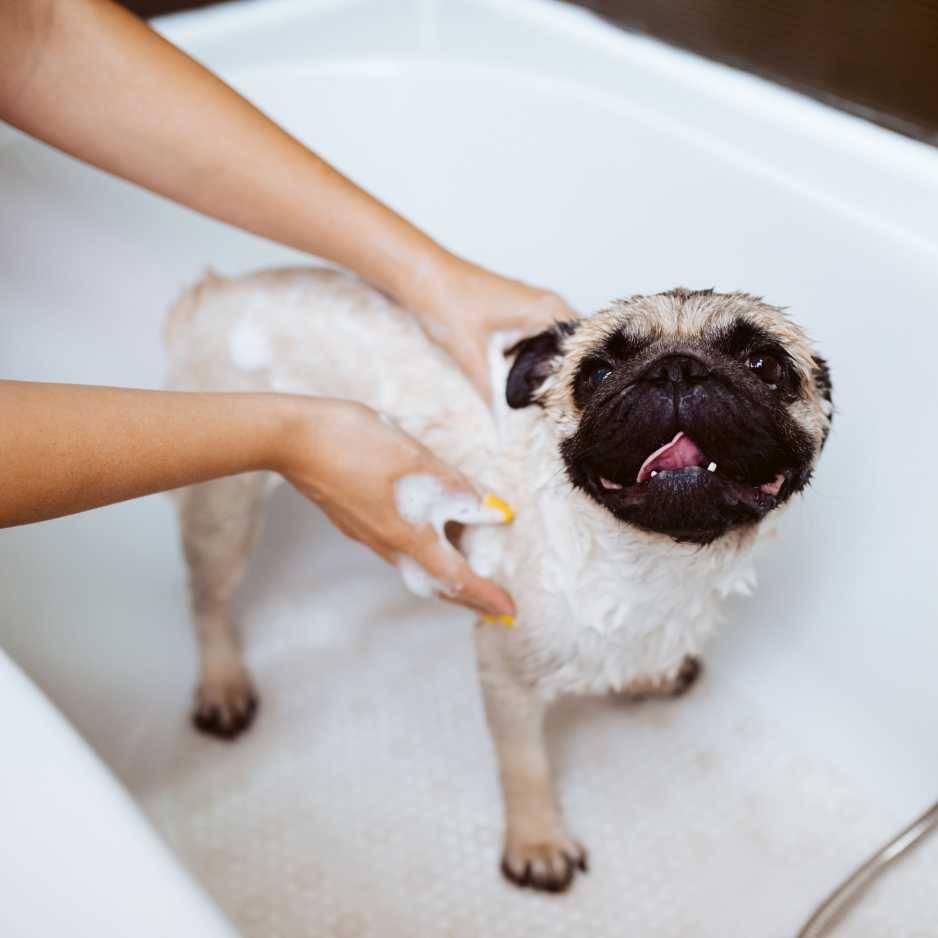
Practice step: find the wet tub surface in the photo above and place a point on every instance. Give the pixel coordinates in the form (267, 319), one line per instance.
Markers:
(545, 144)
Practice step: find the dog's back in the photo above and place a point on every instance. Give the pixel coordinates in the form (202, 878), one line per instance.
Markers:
(602, 604)
(320, 332)
(588, 589)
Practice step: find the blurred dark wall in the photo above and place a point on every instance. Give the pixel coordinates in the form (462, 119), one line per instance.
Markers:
(877, 58)
(155, 7)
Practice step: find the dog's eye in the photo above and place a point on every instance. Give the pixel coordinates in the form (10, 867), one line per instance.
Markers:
(766, 367)
(598, 375)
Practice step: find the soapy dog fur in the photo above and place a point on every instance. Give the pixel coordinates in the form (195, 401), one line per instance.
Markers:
(641, 449)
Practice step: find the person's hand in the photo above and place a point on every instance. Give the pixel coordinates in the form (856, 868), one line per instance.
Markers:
(69, 448)
(180, 146)
(461, 306)
(344, 457)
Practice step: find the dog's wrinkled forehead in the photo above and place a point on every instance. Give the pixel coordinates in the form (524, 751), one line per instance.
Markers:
(680, 319)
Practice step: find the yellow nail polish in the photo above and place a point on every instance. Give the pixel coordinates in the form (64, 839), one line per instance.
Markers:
(507, 621)
(493, 501)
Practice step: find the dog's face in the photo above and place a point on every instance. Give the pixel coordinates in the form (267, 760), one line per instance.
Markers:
(688, 413)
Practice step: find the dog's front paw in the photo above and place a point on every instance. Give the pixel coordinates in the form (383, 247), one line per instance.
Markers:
(225, 704)
(549, 864)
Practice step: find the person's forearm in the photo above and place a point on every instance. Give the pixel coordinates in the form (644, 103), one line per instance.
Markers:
(93, 80)
(66, 448)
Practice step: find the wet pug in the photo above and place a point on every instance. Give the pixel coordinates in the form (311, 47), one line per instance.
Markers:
(642, 449)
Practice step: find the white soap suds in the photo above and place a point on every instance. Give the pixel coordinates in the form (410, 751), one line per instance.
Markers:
(423, 499)
(484, 548)
(249, 346)
(418, 581)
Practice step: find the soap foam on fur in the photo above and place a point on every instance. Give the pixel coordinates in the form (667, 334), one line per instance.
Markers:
(418, 581)
(249, 346)
(424, 499)
(600, 605)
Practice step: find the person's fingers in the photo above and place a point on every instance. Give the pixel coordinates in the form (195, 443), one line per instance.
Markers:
(484, 596)
(556, 309)
(460, 583)
(449, 476)
(474, 365)
(464, 503)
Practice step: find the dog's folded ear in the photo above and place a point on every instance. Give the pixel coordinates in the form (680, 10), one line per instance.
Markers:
(535, 360)
(822, 377)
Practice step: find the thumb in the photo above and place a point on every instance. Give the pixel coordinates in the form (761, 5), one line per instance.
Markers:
(463, 585)
(475, 366)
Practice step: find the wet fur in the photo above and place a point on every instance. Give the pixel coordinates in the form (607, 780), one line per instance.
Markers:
(603, 606)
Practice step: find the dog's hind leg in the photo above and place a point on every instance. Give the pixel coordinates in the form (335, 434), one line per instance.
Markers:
(538, 850)
(668, 685)
(219, 521)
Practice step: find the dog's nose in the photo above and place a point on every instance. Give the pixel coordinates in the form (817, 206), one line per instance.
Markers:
(677, 369)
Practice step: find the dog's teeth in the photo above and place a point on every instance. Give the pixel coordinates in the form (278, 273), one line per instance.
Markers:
(712, 467)
(654, 472)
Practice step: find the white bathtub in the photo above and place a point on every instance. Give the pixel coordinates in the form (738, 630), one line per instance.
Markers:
(544, 143)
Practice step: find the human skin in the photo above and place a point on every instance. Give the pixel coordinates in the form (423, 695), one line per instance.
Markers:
(94, 81)
(82, 447)
(90, 78)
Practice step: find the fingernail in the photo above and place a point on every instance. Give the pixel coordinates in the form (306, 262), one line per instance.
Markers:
(507, 621)
(493, 501)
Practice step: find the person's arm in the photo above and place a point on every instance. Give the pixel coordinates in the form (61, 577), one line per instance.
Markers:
(93, 80)
(68, 448)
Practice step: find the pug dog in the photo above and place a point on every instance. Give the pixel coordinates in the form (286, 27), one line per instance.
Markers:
(642, 448)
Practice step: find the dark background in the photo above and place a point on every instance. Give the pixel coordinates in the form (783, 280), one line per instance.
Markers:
(876, 58)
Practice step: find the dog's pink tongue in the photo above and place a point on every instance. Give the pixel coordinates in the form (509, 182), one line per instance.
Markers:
(680, 453)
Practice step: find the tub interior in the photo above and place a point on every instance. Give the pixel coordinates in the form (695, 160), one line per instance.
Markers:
(364, 799)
